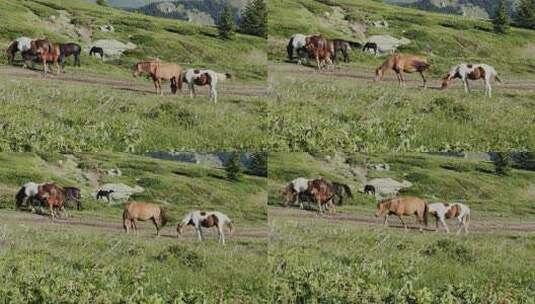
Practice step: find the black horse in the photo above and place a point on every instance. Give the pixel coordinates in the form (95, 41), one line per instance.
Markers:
(370, 45)
(104, 193)
(72, 194)
(97, 50)
(341, 191)
(343, 46)
(68, 49)
(369, 189)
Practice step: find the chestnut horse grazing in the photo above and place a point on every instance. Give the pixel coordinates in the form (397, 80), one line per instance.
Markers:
(466, 71)
(201, 219)
(159, 70)
(46, 52)
(408, 205)
(54, 196)
(323, 193)
(400, 63)
(135, 211)
(320, 49)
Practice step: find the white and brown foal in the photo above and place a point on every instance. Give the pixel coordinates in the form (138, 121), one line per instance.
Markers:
(198, 77)
(442, 211)
(466, 72)
(201, 219)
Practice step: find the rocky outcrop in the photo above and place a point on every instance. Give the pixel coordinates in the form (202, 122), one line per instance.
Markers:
(113, 48)
(387, 43)
(121, 192)
(388, 187)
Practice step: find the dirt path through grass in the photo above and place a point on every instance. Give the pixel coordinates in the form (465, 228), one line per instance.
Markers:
(368, 75)
(145, 229)
(479, 226)
(129, 85)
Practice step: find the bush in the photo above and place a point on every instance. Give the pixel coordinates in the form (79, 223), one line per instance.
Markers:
(233, 167)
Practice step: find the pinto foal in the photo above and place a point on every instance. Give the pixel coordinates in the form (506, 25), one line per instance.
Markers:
(466, 71)
(201, 219)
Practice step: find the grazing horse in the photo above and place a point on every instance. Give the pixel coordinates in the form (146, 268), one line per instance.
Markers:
(341, 190)
(323, 193)
(320, 49)
(135, 211)
(198, 77)
(46, 52)
(22, 45)
(466, 71)
(97, 50)
(369, 189)
(73, 194)
(104, 193)
(68, 49)
(370, 46)
(403, 206)
(159, 70)
(201, 219)
(462, 213)
(344, 47)
(293, 190)
(28, 192)
(297, 43)
(400, 63)
(53, 196)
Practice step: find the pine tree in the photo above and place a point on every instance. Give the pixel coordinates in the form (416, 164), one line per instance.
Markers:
(502, 163)
(226, 22)
(233, 167)
(254, 18)
(501, 20)
(525, 14)
(259, 163)
(102, 2)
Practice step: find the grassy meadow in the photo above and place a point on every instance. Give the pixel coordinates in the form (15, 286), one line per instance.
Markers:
(345, 110)
(350, 258)
(87, 258)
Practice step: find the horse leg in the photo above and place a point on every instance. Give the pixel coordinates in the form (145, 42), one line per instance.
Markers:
(155, 85)
(155, 222)
(386, 220)
(445, 225)
(402, 79)
(214, 93)
(403, 223)
(220, 234)
(423, 78)
(199, 234)
(489, 88)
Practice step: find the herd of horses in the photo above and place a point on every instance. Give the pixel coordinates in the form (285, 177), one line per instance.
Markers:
(34, 195)
(323, 193)
(325, 53)
(42, 50)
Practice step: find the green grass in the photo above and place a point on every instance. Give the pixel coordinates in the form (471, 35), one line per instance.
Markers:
(42, 115)
(435, 177)
(319, 262)
(171, 40)
(313, 112)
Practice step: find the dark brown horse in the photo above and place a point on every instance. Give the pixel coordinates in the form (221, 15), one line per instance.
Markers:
(68, 49)
(72, 194)
(322, 192)
(343, 46)
(320, 49)
(46, 52)
(408, 205)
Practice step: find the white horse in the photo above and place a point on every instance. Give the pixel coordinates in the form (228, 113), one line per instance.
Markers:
(442, 211)
(27, 192)
(200, 219)
(203, 77)
(297, 42)
(466, 71)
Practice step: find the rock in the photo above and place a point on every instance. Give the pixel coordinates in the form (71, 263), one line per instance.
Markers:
(121, 192)
(114, 172)
(388, 187)
(112, 47)
(381, 24)
(166, 7)
(387, 43)
(107, 28)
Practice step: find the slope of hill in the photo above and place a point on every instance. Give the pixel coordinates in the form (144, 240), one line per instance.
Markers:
(88, 254)
(170, 40)
(467, 8)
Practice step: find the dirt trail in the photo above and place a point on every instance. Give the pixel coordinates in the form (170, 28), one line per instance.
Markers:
(368, 75)
(369, 220)
(72, 76)
(145, 229)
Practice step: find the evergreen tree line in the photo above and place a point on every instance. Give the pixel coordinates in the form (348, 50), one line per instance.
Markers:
(253, 20)
(524, 16)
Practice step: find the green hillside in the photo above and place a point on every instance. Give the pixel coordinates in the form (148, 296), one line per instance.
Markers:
(171, 40)
(86, 257)
(446, 39)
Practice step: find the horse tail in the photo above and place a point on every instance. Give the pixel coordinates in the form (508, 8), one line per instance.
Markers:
(125, 216)
(230, 227)
(347, 190)
(426, 213)
(222, 76)
(290, 49)
(497, 78)
(179, 81)
(163, 216)
(20, 196)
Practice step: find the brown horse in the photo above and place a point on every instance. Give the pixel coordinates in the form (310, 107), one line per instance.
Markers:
(159, 70)
(46, 52)
(53, 196)
(403, 206)
(320, 49)
(135, 211)
(400, 63)
(322, 192)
